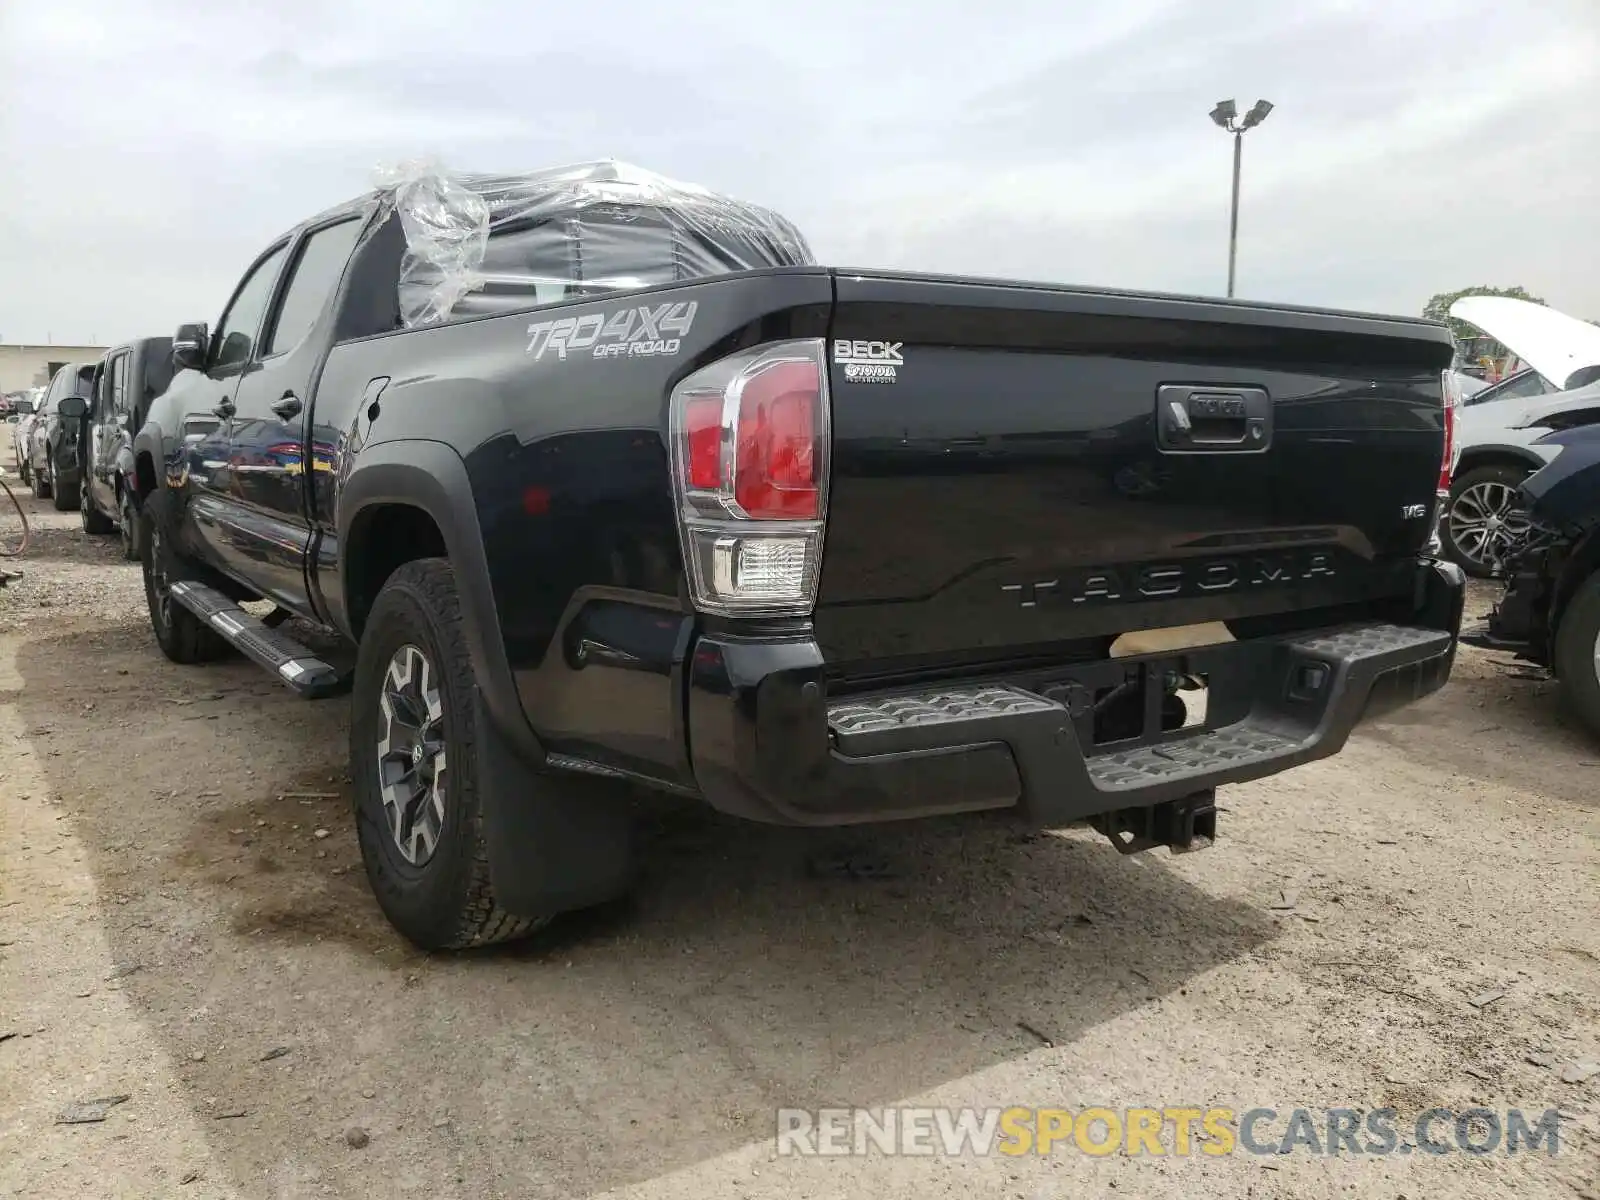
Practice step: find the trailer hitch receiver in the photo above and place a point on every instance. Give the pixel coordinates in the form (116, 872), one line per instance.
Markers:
(1188, 823)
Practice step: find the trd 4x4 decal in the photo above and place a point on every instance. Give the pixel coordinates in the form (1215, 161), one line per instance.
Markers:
(646, 331)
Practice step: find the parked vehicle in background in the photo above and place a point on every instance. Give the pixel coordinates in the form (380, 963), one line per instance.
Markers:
(53, 441)
(127, 381)
(1466, 385)
(26, 414)
(1499, 446)
(1549, 612)
(1525, 384)
(563, 502)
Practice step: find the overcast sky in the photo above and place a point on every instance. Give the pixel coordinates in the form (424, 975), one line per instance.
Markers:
(149, 148)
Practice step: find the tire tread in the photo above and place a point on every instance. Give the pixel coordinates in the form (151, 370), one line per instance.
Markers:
(189, 640)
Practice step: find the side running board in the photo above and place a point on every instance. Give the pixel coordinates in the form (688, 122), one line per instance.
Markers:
(296, 666)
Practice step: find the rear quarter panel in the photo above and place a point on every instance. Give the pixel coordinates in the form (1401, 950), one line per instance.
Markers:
(563, 439)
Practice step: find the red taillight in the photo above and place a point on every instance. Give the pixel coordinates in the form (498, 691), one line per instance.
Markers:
(775, 475)
(702, 428)
(750, 469)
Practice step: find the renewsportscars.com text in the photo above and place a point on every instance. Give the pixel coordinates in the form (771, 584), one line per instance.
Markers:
(1175, 1130)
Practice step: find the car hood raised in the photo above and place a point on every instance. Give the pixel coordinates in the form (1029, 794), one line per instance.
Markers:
(1552, 343)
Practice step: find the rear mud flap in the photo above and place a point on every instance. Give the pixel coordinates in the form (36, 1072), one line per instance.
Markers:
(555, 842)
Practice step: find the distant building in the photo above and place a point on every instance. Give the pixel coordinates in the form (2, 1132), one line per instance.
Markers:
(32, 366)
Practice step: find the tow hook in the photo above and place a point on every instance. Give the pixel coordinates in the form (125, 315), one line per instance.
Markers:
(1188, 823)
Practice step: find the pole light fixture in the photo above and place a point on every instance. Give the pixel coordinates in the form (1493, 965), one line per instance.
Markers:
(1226, 116)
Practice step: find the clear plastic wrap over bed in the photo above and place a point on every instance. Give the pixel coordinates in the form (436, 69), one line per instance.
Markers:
(478, 244)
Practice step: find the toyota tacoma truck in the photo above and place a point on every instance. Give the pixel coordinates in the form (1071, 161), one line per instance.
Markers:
(598, 481)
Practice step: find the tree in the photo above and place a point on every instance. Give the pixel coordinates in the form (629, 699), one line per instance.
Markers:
(1438, 309)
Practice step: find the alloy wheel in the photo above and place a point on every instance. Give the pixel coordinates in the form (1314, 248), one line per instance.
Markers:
(1485, 521)
(411, 754)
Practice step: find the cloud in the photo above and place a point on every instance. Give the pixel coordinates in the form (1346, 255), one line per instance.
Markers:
(149, 148)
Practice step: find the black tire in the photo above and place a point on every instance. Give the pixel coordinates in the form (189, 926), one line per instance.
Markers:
(444, 902)
(129, 526)
(24, 474)
(94, 521)
(66, 497)
(1487, 478)
(1575, 657)
(182, 636)
(41, 487)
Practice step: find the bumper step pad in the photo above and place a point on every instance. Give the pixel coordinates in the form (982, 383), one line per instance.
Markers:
(297, 667)
(1289, 723)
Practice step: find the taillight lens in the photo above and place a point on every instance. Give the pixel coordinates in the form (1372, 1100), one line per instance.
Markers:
(1452, 404)
(702, 420)
(749, 445)
(775, 476)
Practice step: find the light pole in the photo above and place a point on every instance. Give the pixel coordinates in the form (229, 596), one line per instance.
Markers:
(1226, 116)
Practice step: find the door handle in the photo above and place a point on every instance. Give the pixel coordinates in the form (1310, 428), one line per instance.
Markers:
(288, 408)
(224, 409)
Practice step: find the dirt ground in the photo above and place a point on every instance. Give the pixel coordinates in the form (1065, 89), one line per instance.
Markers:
(184, 922)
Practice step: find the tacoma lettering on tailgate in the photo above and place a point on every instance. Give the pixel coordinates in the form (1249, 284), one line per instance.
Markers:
(1162, 581)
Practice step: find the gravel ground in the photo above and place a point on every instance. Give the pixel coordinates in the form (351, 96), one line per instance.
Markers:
(183, 922)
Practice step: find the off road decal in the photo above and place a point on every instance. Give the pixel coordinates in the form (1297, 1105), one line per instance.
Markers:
(650, 330)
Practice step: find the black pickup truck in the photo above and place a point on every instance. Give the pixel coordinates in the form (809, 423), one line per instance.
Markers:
(127, 380)
(602, 481)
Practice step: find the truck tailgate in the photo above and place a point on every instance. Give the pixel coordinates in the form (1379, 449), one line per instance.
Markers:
(1014, 467)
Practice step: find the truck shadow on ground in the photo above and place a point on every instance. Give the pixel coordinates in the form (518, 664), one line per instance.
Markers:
(624, 1044)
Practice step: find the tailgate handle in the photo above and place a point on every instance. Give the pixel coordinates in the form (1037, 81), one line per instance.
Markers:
(1213, 420)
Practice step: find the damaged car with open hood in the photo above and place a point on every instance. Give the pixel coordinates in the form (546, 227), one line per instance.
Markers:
(1501, 426)
(599, 485)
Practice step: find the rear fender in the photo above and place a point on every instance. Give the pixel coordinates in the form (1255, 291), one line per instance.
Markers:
(552, 845)
(432, 477)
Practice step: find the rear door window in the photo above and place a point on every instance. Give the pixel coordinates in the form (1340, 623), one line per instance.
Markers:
(119, 385)
(317, 271)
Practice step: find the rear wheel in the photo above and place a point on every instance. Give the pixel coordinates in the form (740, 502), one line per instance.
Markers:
(66, 496)
(94, 521)
(1483, 520)
(129, 526)
(414, 763)
(182, 636)
(1577, 653)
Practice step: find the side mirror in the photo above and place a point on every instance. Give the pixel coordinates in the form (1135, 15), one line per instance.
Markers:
(72, 407)
(189, 346)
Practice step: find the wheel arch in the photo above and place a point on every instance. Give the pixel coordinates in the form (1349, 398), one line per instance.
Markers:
(1495, 455)
(419, 492)
(147, 454)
